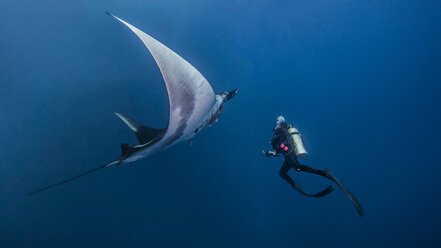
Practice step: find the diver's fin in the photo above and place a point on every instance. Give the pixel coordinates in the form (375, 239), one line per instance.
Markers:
(75, 177)
(143, 134)
(354, 200)
(322, 193)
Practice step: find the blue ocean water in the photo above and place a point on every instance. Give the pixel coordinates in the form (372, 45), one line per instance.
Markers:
(361, 80)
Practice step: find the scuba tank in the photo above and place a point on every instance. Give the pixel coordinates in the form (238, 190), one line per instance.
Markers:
(299, 148)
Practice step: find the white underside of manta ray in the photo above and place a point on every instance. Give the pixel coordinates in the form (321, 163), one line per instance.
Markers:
(192, 101)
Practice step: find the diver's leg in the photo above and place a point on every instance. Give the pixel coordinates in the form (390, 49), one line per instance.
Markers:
(306, 168)
(284, 174)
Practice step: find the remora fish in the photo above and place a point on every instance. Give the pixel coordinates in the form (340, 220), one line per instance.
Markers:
(192, 102)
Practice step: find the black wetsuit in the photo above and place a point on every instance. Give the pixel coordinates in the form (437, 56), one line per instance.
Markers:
(282, 144)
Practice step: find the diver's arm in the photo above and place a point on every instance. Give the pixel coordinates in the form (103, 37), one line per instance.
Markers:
(270, 153)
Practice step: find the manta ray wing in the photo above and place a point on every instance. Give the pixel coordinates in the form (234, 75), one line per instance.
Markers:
(190, 95)
(190, 100)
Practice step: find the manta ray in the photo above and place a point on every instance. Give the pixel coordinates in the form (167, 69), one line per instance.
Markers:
(192, 102)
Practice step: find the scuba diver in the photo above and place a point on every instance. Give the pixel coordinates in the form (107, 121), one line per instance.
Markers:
(287, 142)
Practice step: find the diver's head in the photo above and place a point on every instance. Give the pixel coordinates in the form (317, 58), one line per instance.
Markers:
(228, 95)
(280, 122)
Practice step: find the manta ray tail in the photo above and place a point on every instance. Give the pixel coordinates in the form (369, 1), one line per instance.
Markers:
(75, 177)
(143, 134)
